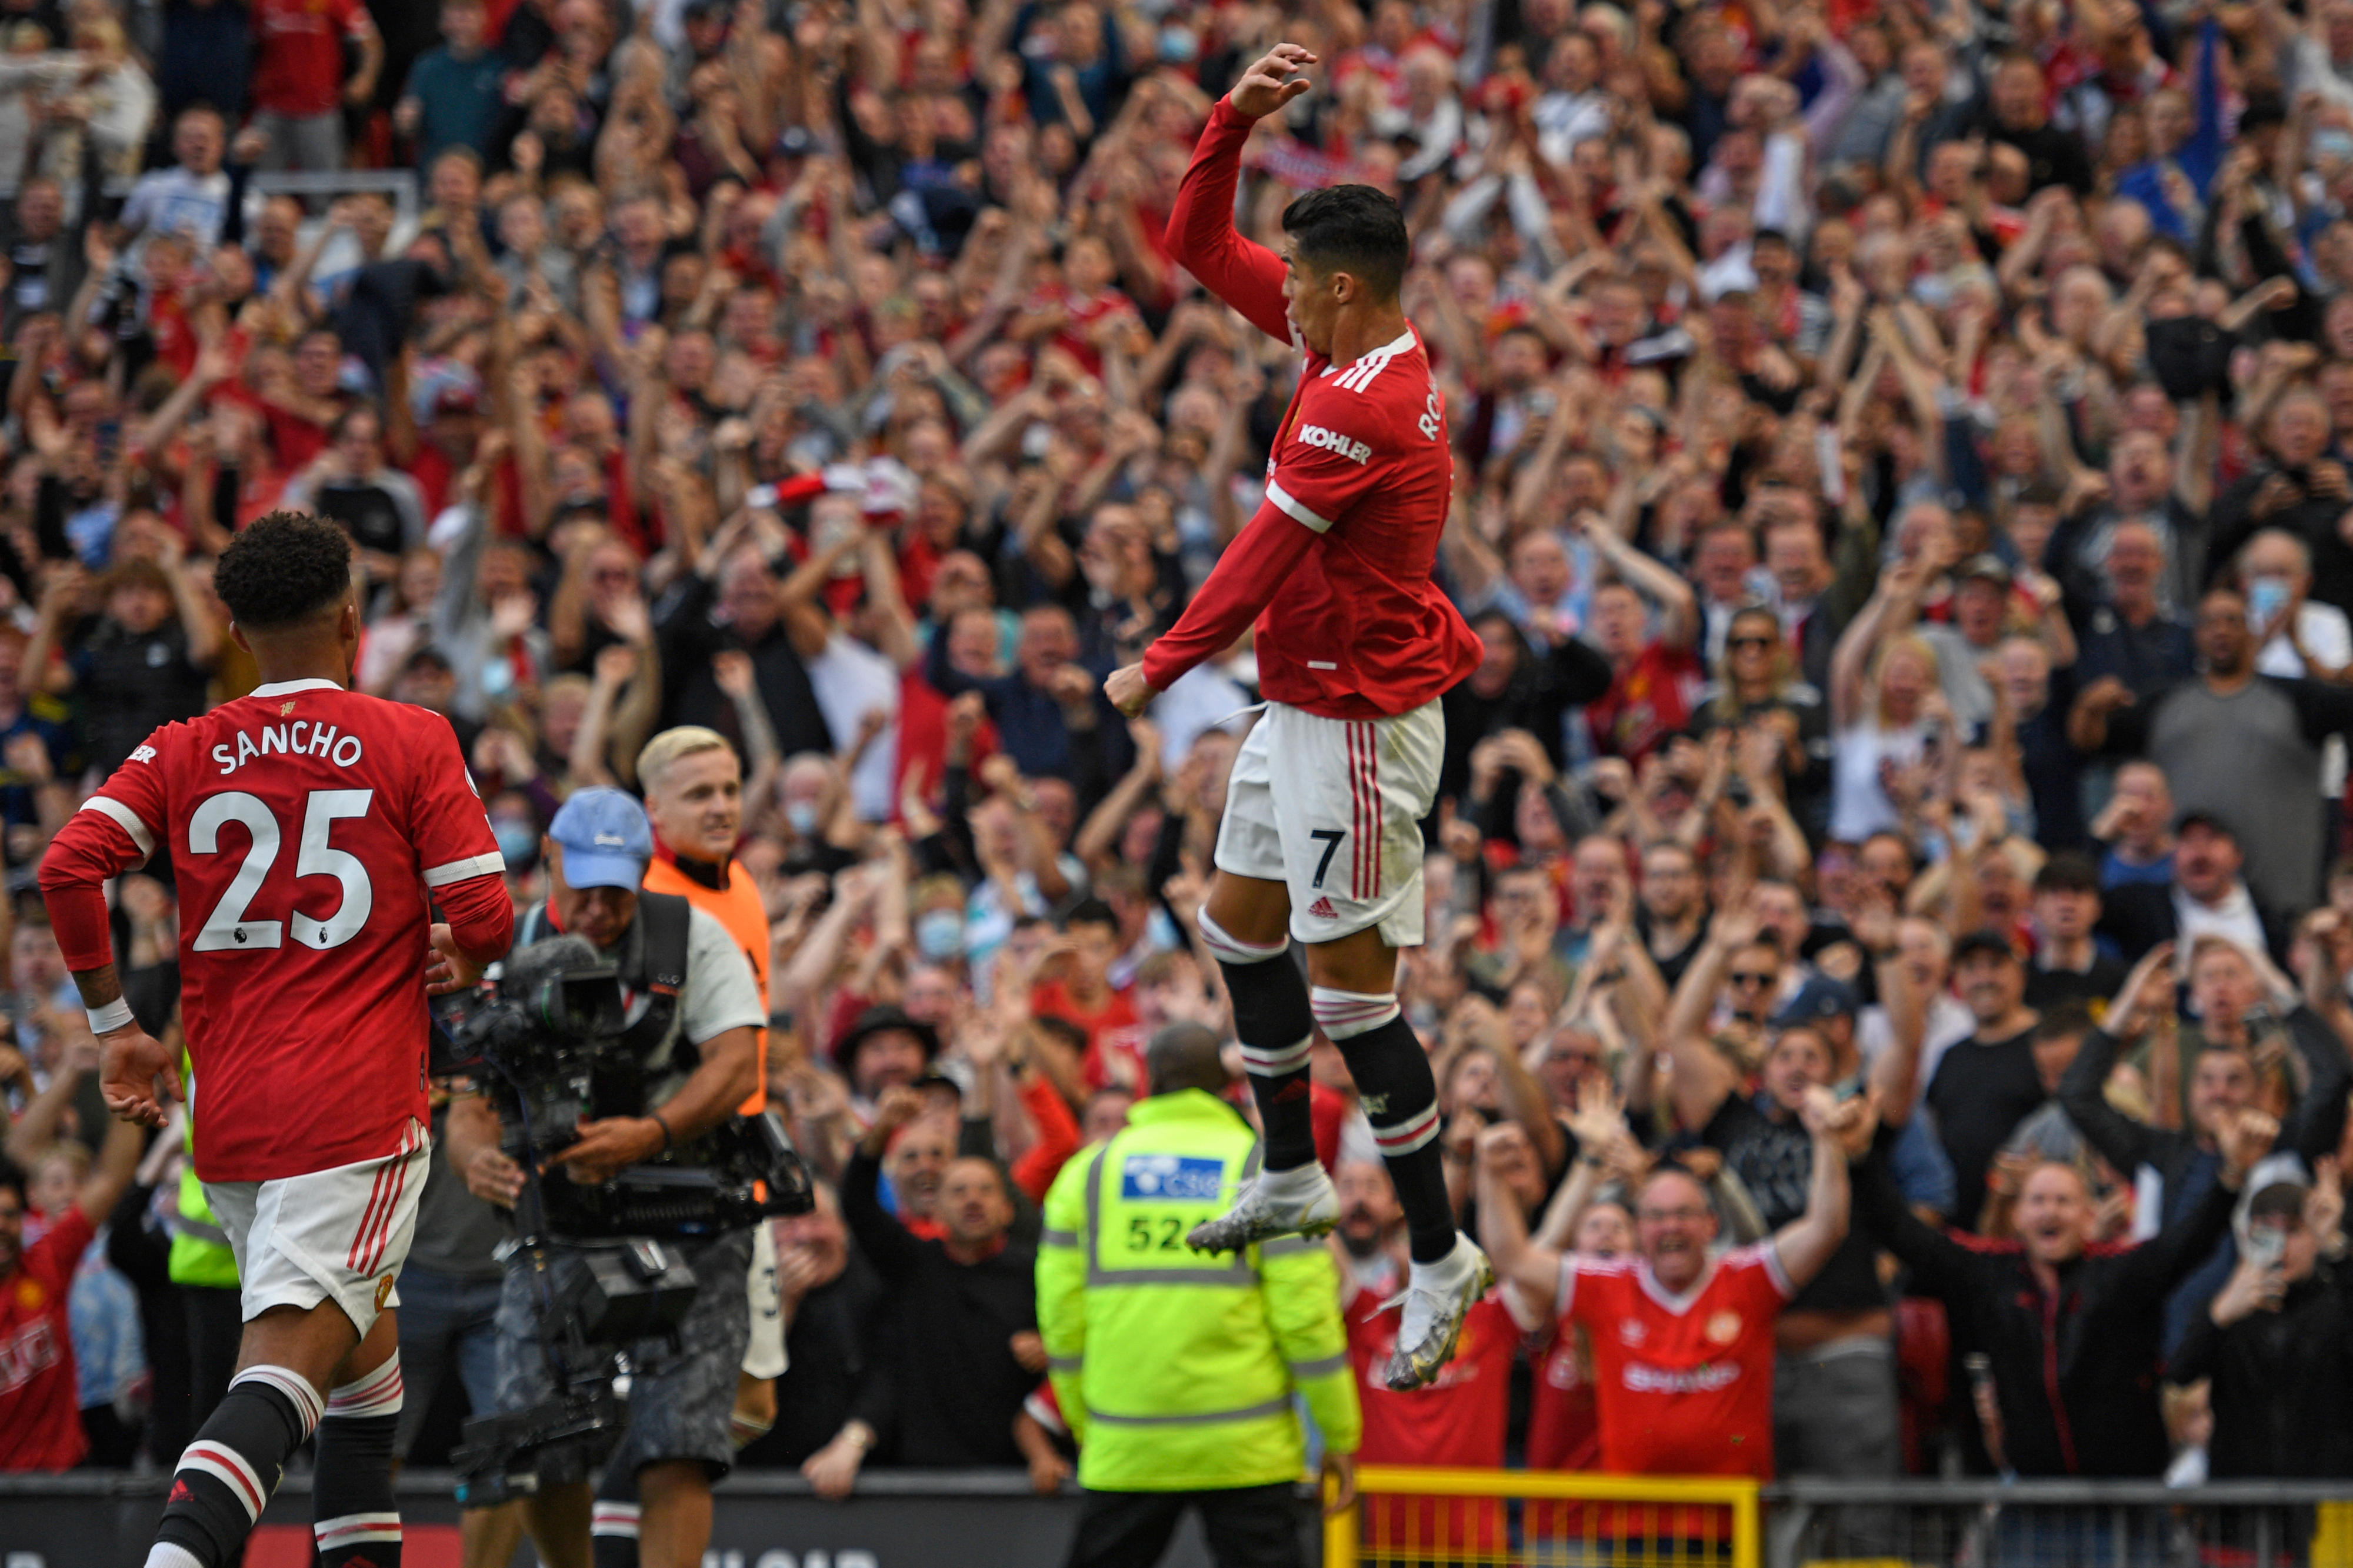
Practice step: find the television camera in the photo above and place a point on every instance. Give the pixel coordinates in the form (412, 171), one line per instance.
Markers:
(550, 1046)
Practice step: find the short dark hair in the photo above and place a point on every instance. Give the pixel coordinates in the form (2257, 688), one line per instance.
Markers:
(1354, 230)
(359, 409)
(2069, 871)
(1089, 913)
(1984, 939)
(2064, 1021)
(282, 568)
(1184, 1056)
(13, 1179)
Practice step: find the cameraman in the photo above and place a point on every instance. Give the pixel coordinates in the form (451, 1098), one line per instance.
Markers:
(693, 1074)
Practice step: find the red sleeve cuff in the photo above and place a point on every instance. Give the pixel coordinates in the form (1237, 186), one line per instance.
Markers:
(481, 916)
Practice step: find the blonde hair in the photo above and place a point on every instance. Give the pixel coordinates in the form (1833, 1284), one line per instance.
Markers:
(1903, 643)
(686, 741)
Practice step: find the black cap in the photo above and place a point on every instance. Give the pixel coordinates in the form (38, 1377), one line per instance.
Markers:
(937, 1079)
(1821, 996)
(1985, 939)
(2263, 107)
(881, 1020)
(2198, 817)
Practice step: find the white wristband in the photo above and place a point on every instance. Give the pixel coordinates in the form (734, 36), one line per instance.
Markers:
(113, 1016)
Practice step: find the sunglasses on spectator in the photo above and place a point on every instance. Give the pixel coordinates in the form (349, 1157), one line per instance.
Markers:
(1750, 642)
(1752, 977)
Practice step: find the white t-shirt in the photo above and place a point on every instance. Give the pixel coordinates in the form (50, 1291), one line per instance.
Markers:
(1203, 697)
(173, 201)
(2325, 630)
(1859, 805)
(1949, 1023)
(721, 992)
(852, 681)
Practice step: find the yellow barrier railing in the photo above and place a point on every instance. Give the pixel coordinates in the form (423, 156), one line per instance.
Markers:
(1651, 1521)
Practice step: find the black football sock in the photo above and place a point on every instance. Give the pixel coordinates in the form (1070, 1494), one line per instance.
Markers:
(1272, 1021)
(357, 1522)
(225, 1477)
(1400, 1100)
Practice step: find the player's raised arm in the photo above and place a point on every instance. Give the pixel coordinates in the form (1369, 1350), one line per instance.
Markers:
(1806, 1243)
(1201, 234)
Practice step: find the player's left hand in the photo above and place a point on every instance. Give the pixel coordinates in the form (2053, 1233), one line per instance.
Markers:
(133, 1060)
(1272, 81)
(607, 1146)
(449, 969)
(1128, 692)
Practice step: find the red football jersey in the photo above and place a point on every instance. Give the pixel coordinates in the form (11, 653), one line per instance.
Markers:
(308, 827)
(1114, 1039)
(1685, 1382)
(40, 1414)
(1349, 623)
(1653, 699)
(1457, 1420)
(1564, 1419)
(299, 68)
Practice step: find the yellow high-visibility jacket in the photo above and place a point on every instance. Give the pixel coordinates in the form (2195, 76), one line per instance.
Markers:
(200, 1254)
(1175, 1369)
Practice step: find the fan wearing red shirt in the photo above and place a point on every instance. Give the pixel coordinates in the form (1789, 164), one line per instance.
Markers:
(1654, 681)
(1320, 840)
(310, 829)
(1083, 997)
(1457, 1419)
(1083, 312)
(40, 1418)
(1682, 1339)
(1564, 1420)
(298, 87)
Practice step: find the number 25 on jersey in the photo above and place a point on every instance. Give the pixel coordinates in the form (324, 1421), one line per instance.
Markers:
(230, 927)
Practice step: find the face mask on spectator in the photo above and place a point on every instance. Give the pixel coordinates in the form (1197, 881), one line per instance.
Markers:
(939, 934)
(518, 842)
(802, 814)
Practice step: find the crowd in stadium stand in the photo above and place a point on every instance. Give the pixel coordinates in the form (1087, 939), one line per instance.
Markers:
(1904, 491)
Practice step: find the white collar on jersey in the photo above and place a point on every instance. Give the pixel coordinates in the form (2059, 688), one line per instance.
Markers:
(1665, 1298)
(287, 688)
(1387, 350)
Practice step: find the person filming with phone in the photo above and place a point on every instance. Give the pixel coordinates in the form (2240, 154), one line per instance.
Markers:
(2277, 1340)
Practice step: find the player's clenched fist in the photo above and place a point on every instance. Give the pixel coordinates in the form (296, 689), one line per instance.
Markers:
(1272, 82)
(1128, 692)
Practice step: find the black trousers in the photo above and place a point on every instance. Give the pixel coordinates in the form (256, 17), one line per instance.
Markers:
(1247, 1526)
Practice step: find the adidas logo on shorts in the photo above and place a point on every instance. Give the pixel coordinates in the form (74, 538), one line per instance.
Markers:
(1322, 911)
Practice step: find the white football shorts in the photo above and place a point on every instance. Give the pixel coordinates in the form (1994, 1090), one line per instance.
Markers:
(1333, 809)
(340, 1234)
